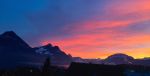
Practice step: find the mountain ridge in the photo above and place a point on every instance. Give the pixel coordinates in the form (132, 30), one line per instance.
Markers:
(16, 51)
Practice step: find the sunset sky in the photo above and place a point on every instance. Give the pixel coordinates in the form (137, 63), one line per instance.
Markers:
(84, 28)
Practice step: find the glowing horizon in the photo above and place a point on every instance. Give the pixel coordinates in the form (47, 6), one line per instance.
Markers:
(101, 38)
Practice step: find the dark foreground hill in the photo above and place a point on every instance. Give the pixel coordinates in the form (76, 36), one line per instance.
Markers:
(80, 69)
(84, 69)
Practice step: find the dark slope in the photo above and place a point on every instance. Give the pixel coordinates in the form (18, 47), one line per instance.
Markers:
(16, 52)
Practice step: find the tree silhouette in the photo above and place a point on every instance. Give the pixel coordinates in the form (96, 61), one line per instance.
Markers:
(46, 70)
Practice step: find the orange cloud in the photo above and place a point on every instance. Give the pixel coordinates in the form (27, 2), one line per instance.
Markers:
(101, 46)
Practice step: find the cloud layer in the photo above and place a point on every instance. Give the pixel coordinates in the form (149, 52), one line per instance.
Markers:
(85, 28)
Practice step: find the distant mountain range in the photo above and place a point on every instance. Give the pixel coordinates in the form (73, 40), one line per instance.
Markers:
(115, 59)
(16, 52)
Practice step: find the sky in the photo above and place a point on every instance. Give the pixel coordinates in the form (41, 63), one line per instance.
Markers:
(82, 28)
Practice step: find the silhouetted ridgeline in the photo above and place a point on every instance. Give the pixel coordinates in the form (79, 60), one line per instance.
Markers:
(19, 59)
(16, 51)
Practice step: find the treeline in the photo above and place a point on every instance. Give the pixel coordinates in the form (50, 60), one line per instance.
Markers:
(45, 70)
(79, 69)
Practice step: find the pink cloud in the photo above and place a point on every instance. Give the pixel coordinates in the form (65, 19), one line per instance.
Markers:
(100, 38)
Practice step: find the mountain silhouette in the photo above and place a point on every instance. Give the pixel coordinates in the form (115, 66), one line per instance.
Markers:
(16, 51)
(119, 58)
(11, 40)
